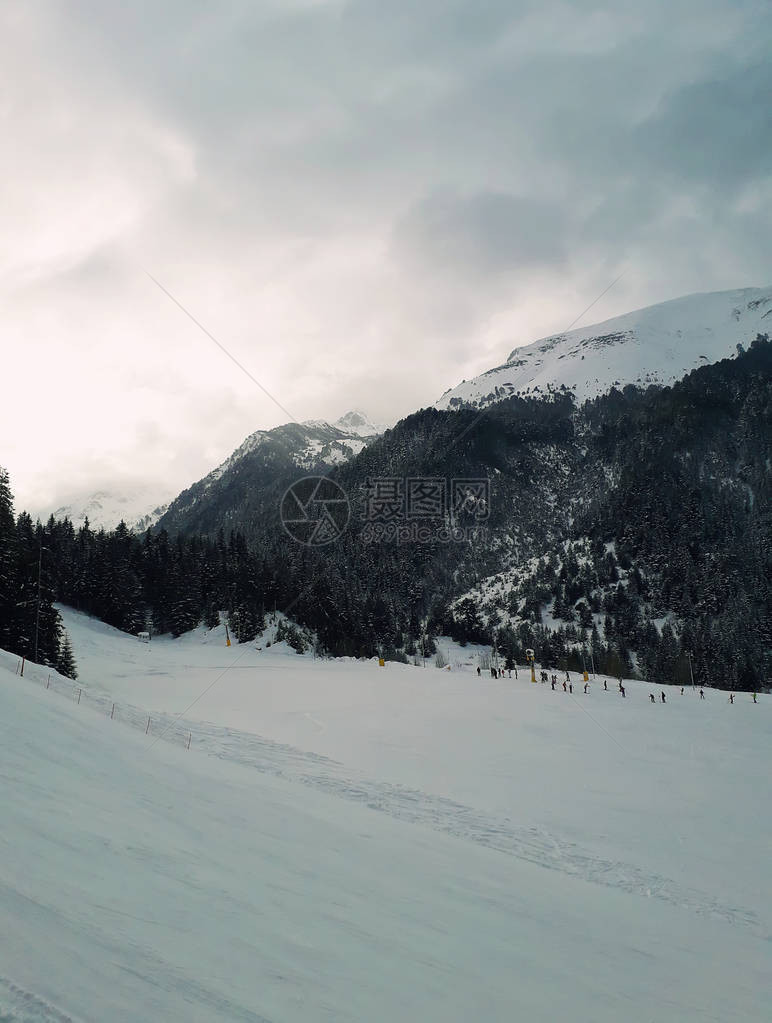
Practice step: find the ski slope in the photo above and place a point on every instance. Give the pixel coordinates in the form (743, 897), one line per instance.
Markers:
(347, 842)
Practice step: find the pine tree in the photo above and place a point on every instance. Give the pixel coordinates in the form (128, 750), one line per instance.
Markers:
(65, 661)
(8, 567)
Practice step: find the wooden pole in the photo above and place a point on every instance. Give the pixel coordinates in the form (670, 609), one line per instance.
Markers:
(148, 726)
(112, 712)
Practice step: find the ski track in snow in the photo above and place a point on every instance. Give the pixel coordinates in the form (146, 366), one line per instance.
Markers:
(20, 1006)
(532, 844)
(412, 806)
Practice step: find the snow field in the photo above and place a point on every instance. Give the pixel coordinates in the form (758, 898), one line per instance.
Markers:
(348, 842)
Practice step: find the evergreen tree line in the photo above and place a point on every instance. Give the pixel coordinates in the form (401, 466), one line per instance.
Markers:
(30, 625)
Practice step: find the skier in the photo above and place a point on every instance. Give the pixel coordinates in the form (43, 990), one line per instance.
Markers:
(570, 687)
(478, 670)
(754, 698)
(553, 683)
(621, 689)
(510, 673)
(585, 688)
(565, 688)
(568, 677)
(651, 697)
(702, 694)
(682, 690)
(605, 685)
(731, 697)
(663, 697)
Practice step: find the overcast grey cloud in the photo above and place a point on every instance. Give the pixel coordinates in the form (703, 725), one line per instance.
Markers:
(364, 202)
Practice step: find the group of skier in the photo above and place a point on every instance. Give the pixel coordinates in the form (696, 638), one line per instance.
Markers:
(499, 672)
(568, 686)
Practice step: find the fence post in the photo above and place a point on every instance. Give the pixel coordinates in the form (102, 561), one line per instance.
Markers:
(79, 692)
(190, 734)
(22, 666)
(48, 683)
(148, 726)
(112, 712)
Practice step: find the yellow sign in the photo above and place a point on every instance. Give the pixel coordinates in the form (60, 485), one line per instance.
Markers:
(381, 662)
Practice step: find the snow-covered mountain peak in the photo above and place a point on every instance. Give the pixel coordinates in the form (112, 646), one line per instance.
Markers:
(655, 345)
(138, 506)
(313, 442)
(358, 423)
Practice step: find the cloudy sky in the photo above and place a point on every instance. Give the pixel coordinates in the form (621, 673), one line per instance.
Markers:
(364, 202)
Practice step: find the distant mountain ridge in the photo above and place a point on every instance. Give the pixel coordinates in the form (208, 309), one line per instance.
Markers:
(658, 345)
(307, 445)
(266, 463)
(137, 506)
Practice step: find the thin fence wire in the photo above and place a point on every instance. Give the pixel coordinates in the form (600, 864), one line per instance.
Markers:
(154, 726)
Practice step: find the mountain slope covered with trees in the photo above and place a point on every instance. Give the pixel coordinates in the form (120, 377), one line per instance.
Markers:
(633, 531)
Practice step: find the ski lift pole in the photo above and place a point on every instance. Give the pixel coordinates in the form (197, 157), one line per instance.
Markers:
(530, 657)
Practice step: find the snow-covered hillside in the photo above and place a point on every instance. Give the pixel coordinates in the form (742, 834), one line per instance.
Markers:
(655, 345)
(349, 842)
(138, 506)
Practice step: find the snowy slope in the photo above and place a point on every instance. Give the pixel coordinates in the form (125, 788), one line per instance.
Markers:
(655, 345)
(256, 880)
